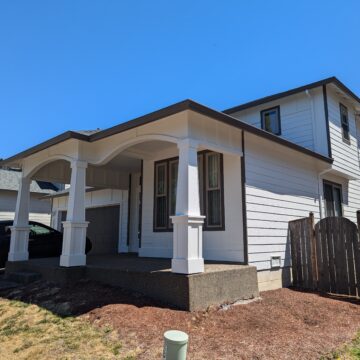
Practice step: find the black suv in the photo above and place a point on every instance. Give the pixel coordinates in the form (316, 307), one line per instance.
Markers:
(44, 241)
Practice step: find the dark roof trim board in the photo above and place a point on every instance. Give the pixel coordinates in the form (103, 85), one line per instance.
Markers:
(297, 90)
(157, 115)
(46, 144)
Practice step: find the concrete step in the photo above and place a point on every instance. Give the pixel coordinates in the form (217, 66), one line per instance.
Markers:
(22, 277)
(5, 285)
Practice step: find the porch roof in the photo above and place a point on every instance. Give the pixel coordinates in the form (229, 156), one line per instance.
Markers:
(95, 135)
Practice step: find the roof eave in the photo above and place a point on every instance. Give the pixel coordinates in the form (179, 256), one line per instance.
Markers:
(297, 90)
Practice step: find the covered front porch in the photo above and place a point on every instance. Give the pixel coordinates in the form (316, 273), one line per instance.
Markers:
(181, 183)
(220, 283)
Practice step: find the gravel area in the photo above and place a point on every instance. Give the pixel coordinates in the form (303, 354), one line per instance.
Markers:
(283, 324)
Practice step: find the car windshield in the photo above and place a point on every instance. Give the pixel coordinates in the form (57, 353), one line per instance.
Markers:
(40, 230)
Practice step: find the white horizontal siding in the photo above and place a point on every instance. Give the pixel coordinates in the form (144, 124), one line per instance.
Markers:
(296, 118)
(99, 198)
(37, 205)
(280, 187)
(224, 245)
(350, 195)
(39, 217)
(345, 155)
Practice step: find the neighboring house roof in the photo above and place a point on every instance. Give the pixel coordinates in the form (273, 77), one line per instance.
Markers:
(66, 192)
(94, 135)
(9, 180)
(266, 99)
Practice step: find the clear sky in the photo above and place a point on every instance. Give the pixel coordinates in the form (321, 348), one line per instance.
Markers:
(84, 64)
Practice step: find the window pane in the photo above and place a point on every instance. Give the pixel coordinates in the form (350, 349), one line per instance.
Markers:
(214, 208)
(344, 121)
(161, 213)
(329, 200)
(337, 202)
(173, 185)
(271, 121)
(213, 170)
(161, 179)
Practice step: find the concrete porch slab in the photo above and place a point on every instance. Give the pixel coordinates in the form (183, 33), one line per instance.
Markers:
(220, 283)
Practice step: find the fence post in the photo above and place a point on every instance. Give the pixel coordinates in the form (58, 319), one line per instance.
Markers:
(313, 250)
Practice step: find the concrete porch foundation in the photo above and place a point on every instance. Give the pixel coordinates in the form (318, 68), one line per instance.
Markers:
(220, 283)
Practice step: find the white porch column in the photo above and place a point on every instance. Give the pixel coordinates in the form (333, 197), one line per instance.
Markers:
(187, 236)
(74, 238)
(20, 229)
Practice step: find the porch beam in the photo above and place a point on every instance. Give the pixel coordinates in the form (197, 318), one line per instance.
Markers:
(74, 237)
(20, 230)
(188, 222)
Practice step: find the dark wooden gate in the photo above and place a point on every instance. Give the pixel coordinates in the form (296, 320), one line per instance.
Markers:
(326, 256)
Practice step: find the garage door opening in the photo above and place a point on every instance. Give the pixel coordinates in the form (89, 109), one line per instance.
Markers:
(103, 229)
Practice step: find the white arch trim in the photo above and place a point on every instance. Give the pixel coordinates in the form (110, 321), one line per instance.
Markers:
(30, 170)
(137, 140)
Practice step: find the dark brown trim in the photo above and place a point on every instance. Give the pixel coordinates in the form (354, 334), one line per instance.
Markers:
(154, 116)
(294, 91)
(129, 210)
(229, 120)
(141, 202)
(167, 161)
(205, 227)
(328, 182)
(326, 111)
(277, 108)
(243, 200)
(46, 144)
(142, 120)
(166, 228)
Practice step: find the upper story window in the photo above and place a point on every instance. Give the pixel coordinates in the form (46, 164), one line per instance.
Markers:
(270, 120)
(210, 166)
(344, 116)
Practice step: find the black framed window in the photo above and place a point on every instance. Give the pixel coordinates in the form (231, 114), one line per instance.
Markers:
(161, 196)
(344, 116)
(270, 120)
(210, 167)
(333, 199)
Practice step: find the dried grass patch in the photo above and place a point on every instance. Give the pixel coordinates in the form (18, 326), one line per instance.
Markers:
(31, 332)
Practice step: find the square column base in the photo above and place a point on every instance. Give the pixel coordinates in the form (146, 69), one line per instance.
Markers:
(18, 256)
(187, 244)
(74, 243)
(187, 266)
(72, 260)
(19, 243)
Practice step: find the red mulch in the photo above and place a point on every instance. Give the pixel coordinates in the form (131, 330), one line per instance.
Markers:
(284, 324)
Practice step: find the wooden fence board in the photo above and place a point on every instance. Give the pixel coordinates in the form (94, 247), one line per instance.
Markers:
(351, 261)
(326, 256)
(330, 239)
(340, 260)
(293, 241)
(325, 283)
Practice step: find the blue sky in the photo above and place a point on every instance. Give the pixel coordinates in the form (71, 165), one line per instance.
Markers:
(84, 64)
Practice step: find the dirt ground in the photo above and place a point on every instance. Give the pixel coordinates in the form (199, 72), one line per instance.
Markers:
(283, 324)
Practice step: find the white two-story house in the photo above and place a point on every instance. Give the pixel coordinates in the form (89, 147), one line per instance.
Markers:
(191, 183)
